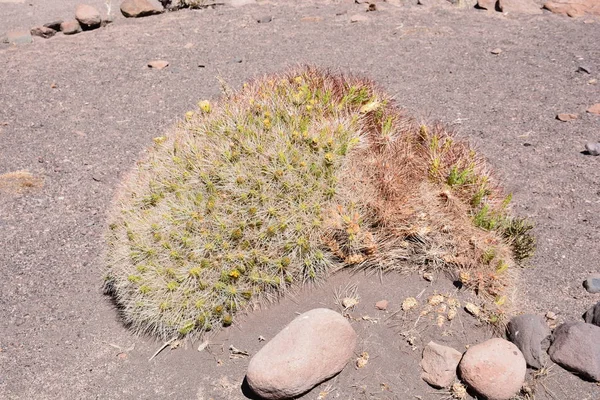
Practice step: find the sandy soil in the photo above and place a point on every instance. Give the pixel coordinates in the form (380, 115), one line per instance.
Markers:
(60, 337)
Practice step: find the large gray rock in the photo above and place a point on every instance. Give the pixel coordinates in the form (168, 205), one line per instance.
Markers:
(140, 8)
(439, 364)
(576, 347)
(530, 333)
(495, 369)
(88, 16)
(312, 348)
(592, 316)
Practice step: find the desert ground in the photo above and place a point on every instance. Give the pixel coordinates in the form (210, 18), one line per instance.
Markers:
(78, 111)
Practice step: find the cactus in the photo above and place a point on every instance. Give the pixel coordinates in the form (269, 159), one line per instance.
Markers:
(286, 181)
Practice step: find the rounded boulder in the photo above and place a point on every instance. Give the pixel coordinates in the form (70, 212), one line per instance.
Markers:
(314, 347)
(495, 369)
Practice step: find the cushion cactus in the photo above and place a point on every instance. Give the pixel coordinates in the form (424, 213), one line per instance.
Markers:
(286, 181)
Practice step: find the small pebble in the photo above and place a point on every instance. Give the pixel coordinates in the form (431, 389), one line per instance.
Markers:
(584, 68)
(381, 305)
(593, 149)
(496, 51)
(158, 64)
(566, 117)
(551, 315)
(264, 20)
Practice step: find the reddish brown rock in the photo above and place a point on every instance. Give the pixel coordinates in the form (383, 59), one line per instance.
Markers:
(495, 369)
(439, 365)
(140, 8)
(312, 348)
(519, 7)
(487, 4)
(70, 27)
(566, 117)
(574, 8)
(595, 109)
(43, 32)
(88, 16)
(381, 305)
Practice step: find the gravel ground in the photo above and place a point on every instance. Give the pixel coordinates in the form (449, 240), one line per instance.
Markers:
(78, 111)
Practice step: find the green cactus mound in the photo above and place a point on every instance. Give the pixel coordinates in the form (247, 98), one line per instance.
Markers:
(286, 181)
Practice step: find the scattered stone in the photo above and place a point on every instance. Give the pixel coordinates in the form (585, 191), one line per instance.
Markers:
(381, 305)
(265, 19)
(575, 347)
(592, 316)
(592, 81)
(18, 37)
(439, 365)
(472, 309)
(496, 51)
(487, 4)
(312, 348)
(311, 19)
(495, 369)
(519, 7)
(592, 283)
(566, 117)
(359, 18)
(88, 16)
(573, 8)
(551, 315)
(140, 8)
(158, 64)
(428, 276)
(43, 32)
(593, 149)
(584, 68)
(70, 27)
(54, 24)
(530, 333)
(595, 109)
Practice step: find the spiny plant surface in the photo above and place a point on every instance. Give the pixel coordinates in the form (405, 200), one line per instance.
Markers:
(288, 180)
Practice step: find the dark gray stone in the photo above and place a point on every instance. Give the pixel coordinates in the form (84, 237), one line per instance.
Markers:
(592, 284)
(592, 316)
(576, 347)
(531, 335)
(54, 24)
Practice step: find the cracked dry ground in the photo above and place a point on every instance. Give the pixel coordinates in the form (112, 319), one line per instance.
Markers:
(59, 335)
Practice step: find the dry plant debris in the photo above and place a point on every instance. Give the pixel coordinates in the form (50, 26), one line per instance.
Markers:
(19, 182)
(288, 180)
